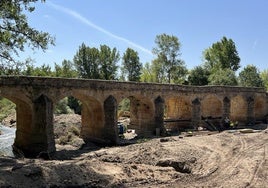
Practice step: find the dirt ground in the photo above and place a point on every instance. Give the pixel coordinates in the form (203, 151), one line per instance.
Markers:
(227, 159)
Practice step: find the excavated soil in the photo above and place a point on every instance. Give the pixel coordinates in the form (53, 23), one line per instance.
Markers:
(227, 159)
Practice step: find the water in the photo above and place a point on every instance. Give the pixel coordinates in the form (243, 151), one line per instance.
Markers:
(6, 140)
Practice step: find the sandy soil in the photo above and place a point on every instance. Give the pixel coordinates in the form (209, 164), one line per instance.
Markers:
(218, 160)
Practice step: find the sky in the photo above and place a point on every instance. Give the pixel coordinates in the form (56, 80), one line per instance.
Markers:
(136, 23)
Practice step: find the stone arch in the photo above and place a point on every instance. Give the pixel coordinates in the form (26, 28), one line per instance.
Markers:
(211, 106)
(142, 113)
(260, 108)
(239, 109)
(24, 116)
(92, 115)
(178, 107)
(178, 113)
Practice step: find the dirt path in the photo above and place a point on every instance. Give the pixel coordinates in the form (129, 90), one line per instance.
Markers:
(219, 160)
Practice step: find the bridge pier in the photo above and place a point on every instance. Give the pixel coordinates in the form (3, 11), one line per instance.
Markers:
(250, 111)
(40, 137)
(196, 113)
(110, 132)
(159, 114)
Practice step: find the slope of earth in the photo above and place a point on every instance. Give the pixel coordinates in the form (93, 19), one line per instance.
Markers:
(219, 160)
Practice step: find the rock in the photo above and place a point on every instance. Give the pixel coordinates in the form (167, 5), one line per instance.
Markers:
(179, 166)
(164, 140)
(17, 166)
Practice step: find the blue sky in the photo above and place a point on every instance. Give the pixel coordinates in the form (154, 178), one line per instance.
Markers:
(135, 23)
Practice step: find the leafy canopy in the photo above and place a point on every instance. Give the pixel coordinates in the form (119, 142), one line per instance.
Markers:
(131, 65)
(169, 66)
(94, 63)
(198, 76)
(223, 77)
(250, 77)
(15, 32)
(264, 76)
(222, 55)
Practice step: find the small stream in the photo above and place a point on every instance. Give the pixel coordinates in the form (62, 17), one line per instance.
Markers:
(6, 140)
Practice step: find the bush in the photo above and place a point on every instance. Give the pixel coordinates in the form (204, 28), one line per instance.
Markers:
(6, 108)
(74, 130)
(62, 107)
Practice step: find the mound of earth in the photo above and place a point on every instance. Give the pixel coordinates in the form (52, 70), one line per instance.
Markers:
(227, 159)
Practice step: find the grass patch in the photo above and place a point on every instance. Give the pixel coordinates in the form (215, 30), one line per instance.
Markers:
(6, 108)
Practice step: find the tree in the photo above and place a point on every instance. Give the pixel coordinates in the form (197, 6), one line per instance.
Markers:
(43, 70)
(15, 32)
(264, 76)
(66, 70)
(131, 65)
(223, 77)
(198, 76)
(147, 74)
(108, 59)
(222, 55)
(86, 61)
(250, 77)
(168, 62)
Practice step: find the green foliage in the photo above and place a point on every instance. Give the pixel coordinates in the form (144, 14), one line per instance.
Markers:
(74, 130)
(43, 70)
(62, 107)
(131, 65)
(223, 77)
(70, 136)
(66, 70)
(250, 77)
(86, 61)
(75, 104)
(168, 66)
(93, 63)
(264, 76)
(15, 32)
(6, 107)
(158, 71)
(147, 74)
(124, 105)
(198, 76)
(222, 55)
(108, 59)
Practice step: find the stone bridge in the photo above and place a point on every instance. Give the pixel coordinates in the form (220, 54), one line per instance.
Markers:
(150, 104)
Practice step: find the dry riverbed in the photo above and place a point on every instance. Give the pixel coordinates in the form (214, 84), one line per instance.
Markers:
(227, 159)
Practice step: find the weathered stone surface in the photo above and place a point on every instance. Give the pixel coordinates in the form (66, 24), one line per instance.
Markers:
(150, 104)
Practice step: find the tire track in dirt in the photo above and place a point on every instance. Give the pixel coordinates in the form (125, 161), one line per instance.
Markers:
(261, 164)
(245, 161)
(227, 164)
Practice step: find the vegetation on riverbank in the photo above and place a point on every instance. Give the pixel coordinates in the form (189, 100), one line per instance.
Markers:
(6, 108)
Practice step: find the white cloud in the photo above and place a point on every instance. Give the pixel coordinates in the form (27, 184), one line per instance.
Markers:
(255, 44)
(46, 16)
(86, 21)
